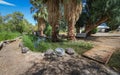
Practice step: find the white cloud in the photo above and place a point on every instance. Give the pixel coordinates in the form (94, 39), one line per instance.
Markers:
(6, 3)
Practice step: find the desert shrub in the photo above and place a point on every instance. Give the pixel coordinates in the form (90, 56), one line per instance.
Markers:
(115, 60)
(8, 35)
(27, 41)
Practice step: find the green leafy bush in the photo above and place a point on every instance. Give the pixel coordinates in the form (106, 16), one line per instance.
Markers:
(8, 35)
(27, 41)
(43, 46)
(48, 30)
(94, 31)
(115, 60)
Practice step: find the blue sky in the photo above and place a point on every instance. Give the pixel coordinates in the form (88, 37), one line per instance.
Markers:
(10, 6)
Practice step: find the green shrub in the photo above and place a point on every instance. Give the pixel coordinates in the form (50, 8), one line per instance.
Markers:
(115, 60)
(48, 30)
(43, 46)
(8, 35)
(94, 31)
(28, 42)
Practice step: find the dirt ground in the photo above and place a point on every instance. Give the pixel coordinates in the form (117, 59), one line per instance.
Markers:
(107, 41)
(13, 62)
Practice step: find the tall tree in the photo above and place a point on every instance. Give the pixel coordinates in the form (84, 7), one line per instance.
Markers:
(72, 10)
(53, 17)
(40, 14)
(15, 22)
(102, 11)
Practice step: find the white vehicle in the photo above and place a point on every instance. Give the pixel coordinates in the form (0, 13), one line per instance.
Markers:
(103, 28)
(118, 29)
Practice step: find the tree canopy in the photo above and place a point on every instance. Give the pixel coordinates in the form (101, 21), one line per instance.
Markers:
(99, 11)
(14, 22)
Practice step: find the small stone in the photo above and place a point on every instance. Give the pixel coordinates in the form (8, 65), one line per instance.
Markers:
(50, 54)
(25, 49)
(6, 41)
(86, 72)
(70, 51)
(21, 45)
(60, 51)
(4, 44)
(61, 67)
(1, 45)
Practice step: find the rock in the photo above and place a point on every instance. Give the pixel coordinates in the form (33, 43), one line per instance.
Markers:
(21, 45)
(61, 67)
(6, 41)
(4, 44)
(25, 49)
(60, 51)
(1, 45)
(86, 72)
(50, 54)
(70, 51)
(12, 40)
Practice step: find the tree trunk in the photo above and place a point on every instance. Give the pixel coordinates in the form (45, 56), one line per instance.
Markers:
(71, 35)
(72, 11)
(41, 26)
(53, 17)
(55, 33)
(90, 27)
(77, 29)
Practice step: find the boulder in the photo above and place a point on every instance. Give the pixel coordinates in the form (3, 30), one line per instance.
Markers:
(70, 51)
(24, 49)
(50, 54)
(60, 51)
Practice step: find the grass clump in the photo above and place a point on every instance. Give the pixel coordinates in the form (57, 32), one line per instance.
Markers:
(115, 60)
(8, 35)
(43, 46)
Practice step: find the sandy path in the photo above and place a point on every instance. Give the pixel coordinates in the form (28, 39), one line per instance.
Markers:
(13, 62)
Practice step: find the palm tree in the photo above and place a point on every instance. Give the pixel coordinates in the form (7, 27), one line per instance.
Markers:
(53, 17)
(40, 15)
(53, 14)
(72, 10)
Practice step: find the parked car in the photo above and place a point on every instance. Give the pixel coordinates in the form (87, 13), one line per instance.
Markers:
(103, 28)
(118, 29)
